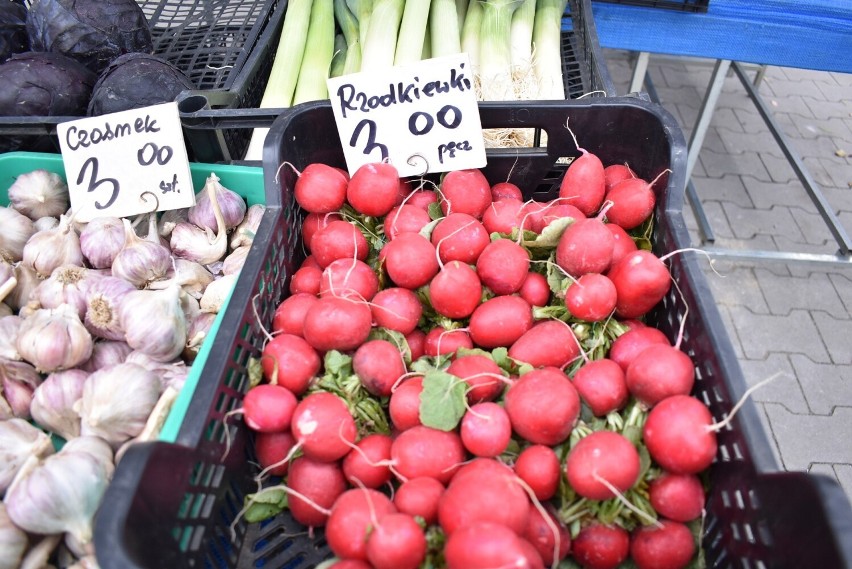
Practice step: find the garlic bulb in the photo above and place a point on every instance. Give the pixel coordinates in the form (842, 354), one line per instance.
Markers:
(18, 441)
(18, 381)
(217, 293)
(54, 339)
(170, 218)
(9, 326)
(5, 310)
(106, 353)
(199, 244)
(190, 307)
(17, 230)
(197, 333)
(246, 230)
(52, 248)
(141, 261)
(101, 240)
(45, 223)
(60, 494)
(192, 277)
(215, 196)
(154, 322)
(103, 298)
(235, 260)
(53, 402)
(27, 281)
(13, 541)
(117, 401)
(67, 284)
(39, 193)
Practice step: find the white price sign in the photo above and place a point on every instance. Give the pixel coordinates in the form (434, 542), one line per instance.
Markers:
(126, 163)
(422, 117)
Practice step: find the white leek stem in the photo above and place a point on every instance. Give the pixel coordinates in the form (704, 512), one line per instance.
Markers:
(470, 33)
(547, 41)
(349, 27)
(378, 49)
(495, 61)
(412, 32)
(444, 28)
(316, 63)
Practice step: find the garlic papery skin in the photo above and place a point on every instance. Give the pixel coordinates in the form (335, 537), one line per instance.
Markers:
(215, 196)
(217, 293)
(101, 240)
(53, 402)
(171, 373)
(9, 327)
(18, 381)
(197, 333)
(53, 339)
(244, 233)
(52, 248)
(189, 275)
(5, 310)
(117, 401)
(154, 322)
(45, 223)
(27, 281)
(235, 260)
(13, 541)
(192, 243)
(67, 284)
(60, 495)
(103, 298)
(106, 353)
(19, 440)
(39, 193)
(169, 219)
(141, 261)
(17, 230)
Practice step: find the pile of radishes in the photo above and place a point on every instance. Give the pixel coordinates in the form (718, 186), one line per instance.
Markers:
(462, 378)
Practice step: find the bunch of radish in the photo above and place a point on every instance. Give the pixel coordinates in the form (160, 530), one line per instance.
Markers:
(461, 378)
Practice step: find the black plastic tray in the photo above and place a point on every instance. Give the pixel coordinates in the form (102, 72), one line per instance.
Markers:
(681, 5)
(172, 505)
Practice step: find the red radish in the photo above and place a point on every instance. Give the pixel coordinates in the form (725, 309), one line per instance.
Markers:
(403, 191)
(535, 289)
(440, 341)
(323, 426)
(543, 406)
(485, 545)
(455, 291)
(290, 361)
(601, 386)
(658, 372)
(373, 188)
(416, 343)
(506, 190)
(503, 216)
(600, 546)
(472, 495)
(486, 430)
(539, 467)
(367, 464)
(306, 280)
(410, 260)
(404, 404)
(320, 482)
(422, 199)
(585, 247)
(423, 451)
(320, 188)
(349, 277)
(669, 545)
(419, 497)
(459, 237)
(548, 535)
(583, 185)
(405, 218)
(379, 365)
(499, 321)
(626, 347)
(556, 211)
(396, 542)
(350, 564)
(632, 201)
(352, 517)
(335, 323)
(641, 280)
(310, 261)
(601, 461)
(550, 343)
(532, 215)
(623, 243)
(465, 191)
(615, 173)
(338, 240)
(272, 449)
(481, 373)
(592, 298)
(396, 308)
(313, 222)
(679, 434)
(268, 408)
(289, 316)
(503, 266)
(678, 497)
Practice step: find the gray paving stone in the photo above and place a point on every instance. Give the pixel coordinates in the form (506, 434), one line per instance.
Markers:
(789, 105)
(841, 128)
(825, 386)
(830, 171)
(779, 168)
(843, 285)
(844, 476)
(717, 219)
(788, 245)
(746, 223)
(785, 294)
(783, 388)
(807, 439)
(748, 163)
(832, 91)
(728, 188)
(823, 109)
(844, 79)
(733, 335)
(767, 194)
(762, 334)
(751, 120)
(679, 76)
(792, 89)
(727, 119)
(737, 286)
(812, 226)
(836, 330)
(739, 142)
(822, 146)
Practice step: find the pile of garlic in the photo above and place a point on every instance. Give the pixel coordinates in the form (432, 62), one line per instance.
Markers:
(99, 326)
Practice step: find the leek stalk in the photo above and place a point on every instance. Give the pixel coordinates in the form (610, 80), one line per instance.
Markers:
(495, 58)
(445, 31)
(412, 32)
(350, 29)
(316, 63)
(470, 33)
(339, 59)
(547, 41)
(361, 9)
(379, 47)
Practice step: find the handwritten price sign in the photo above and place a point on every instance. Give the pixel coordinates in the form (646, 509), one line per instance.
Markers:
(126, 163)
(419, 117)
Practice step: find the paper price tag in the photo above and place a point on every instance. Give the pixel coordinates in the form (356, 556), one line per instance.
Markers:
(126, 163)
(422, 117)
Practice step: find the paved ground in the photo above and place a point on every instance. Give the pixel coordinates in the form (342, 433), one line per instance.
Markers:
(794, 318)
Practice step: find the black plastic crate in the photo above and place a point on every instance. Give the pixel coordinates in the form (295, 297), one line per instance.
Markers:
(172, 505)
(681, 5)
